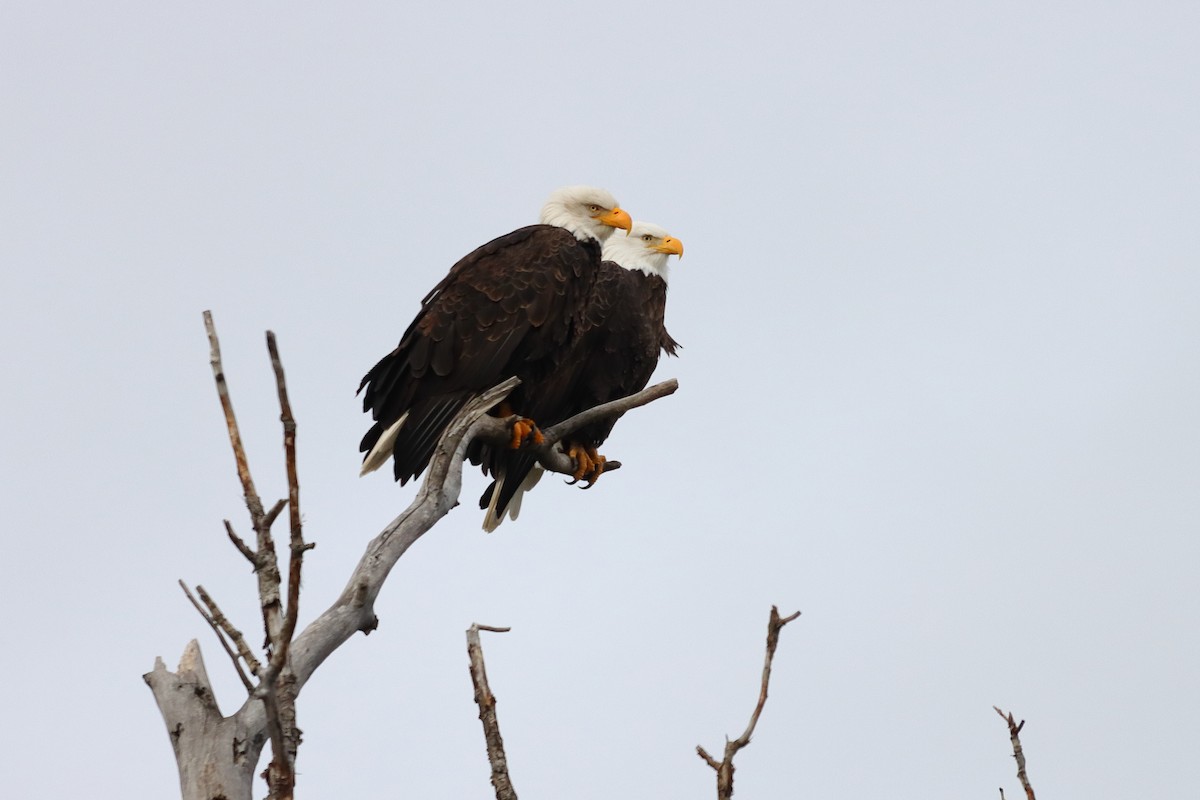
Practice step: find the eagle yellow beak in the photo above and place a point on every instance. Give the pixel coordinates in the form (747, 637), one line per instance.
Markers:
(617, 218)
(669, 245)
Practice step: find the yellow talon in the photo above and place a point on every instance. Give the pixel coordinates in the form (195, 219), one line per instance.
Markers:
(589, 465)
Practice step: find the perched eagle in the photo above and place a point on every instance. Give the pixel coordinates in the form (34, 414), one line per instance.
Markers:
(514, 306)
(621, 335)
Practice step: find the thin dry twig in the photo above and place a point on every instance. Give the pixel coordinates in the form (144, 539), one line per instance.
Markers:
(242, 547)
(487, 713)
(1014, 729)
(234, 634)
(725, 767)
(210, 619)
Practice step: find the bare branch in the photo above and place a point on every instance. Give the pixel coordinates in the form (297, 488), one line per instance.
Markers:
(615, 408)
(279, 706)
(297, 547)
(1014, 729)
(712, 762)
(269, 519)
(235, 437)
(278, 684)
(233, 633)
(550, 456)
(487, 714)
(725, 768)
(242, 547)
(237, 665)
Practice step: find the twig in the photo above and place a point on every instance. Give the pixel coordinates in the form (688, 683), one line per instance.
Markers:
(725, 768)
(274, 512)
(1014, 729)
(487, 713)
(242, 547)
(234, 634)
(237, 665)
(235, 437)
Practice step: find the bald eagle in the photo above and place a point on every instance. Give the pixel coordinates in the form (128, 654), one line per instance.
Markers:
(621, 335)
(512, 307)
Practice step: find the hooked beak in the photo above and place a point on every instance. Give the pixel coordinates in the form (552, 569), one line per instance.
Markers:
(617, 218)
(670, 245)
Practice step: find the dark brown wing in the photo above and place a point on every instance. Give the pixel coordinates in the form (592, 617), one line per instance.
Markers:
(624, 333)
(508, 308)
(621, 333)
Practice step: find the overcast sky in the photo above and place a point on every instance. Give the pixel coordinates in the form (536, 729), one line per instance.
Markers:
(939, 388)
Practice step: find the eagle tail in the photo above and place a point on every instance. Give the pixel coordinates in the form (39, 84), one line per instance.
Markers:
(383, 447)
(503, 497)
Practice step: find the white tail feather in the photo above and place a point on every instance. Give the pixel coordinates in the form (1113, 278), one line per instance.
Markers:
(490, 521)
(382, 450)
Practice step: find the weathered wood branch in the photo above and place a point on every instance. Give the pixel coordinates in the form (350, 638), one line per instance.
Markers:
(1014, 730)
(724, 768)
(487, 713)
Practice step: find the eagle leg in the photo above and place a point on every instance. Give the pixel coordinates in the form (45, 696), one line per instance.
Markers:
(524, 431)
(589, 465)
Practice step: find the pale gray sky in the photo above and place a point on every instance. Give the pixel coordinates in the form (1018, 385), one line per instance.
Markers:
(941, 318)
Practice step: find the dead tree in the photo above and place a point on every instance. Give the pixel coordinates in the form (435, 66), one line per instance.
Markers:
(218, 754)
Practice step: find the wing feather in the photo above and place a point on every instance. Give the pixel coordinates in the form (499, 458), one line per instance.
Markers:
(508, 308)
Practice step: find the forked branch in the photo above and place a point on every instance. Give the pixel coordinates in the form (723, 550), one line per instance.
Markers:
(724, 768)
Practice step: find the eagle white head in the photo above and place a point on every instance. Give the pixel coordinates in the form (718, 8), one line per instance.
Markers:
(646, 248)
(585, 211)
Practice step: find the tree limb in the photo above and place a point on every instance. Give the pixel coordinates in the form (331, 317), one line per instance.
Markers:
(550, 455)
(724, 768)
(216, 621)
(487, 713)
(1014, 730)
